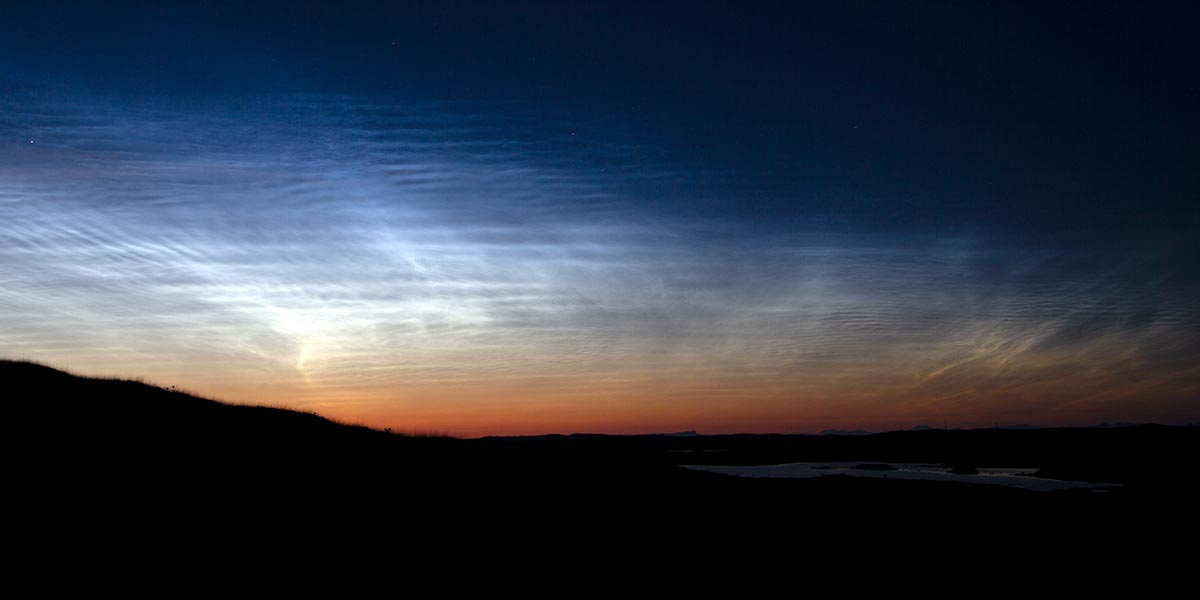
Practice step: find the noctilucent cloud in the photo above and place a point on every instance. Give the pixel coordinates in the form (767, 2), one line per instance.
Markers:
(555, 218)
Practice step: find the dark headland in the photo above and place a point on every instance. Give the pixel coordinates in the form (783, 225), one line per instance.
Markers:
(117, 451)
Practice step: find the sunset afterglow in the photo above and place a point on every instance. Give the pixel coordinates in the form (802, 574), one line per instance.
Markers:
(611, 253)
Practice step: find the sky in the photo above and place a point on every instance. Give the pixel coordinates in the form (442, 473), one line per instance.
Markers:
(488, 218)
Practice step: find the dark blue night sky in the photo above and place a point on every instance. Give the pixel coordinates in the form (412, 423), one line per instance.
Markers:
(536, 217)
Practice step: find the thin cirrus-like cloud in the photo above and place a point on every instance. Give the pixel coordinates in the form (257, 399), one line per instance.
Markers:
(455, 270)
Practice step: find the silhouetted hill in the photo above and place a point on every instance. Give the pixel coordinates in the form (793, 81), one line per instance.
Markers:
(121, 429)
(132, 420)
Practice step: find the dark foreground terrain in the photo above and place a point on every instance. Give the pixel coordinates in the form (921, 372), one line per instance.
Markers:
(118, 457)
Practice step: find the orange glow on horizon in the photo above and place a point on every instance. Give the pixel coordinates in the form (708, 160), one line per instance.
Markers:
(712, 405)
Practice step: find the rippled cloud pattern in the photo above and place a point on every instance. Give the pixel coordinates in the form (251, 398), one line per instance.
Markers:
(423, 266)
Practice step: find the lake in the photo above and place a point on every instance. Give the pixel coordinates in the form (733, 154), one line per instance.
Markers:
(1012, 477)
